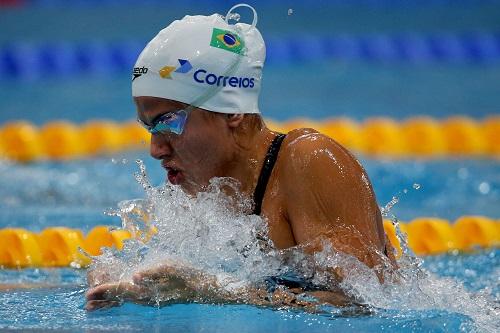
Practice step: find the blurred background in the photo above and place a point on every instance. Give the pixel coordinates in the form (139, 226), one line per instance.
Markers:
(72, 60)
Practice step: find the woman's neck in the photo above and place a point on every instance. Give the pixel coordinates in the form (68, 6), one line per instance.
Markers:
(249, 158)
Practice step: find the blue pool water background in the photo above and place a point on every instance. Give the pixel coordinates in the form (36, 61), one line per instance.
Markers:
(331, 86)
(76, 193)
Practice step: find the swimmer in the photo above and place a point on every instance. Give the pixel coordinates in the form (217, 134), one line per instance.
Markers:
(196, 87)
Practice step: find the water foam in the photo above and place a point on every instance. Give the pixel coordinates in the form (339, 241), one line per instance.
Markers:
(211, 232)
(214, 233)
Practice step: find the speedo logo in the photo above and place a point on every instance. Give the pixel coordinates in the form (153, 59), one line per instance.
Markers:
(201, 76)
(138, 71)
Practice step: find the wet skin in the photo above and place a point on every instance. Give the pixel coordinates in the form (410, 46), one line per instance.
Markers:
(317, 192)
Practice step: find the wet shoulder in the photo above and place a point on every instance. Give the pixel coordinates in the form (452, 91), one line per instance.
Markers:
(303, 142)
(307, 149)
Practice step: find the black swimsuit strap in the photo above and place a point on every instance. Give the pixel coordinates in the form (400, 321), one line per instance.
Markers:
(265, 172)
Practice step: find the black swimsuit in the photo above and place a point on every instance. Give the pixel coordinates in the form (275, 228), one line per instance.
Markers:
(265, 172)
(290, 279)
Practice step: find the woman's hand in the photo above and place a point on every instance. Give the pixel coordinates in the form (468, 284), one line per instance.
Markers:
(165, 283)
(114, 294)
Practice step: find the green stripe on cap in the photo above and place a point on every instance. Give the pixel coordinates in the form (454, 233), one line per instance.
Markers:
(226, 40)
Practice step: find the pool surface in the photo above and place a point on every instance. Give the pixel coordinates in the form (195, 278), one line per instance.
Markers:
(56, 301)
(76, 194)
(455, 292)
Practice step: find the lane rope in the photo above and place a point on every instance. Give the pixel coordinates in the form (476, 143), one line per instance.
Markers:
(421, 137)
(60, 59)
(59, 246)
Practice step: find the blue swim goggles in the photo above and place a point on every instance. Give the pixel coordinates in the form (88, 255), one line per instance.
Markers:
(170, 122)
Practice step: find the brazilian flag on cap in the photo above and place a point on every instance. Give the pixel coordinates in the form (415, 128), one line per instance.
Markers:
(226, 40)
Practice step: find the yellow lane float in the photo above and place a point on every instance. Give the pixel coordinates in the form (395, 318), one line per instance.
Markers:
(423, 137)
(59, 246)
(134, 136)
(102, 236)
(101, 137)
(430, 236)
(20, 141)
(476, 231)
(379, 137)
(61, 140)
(463, 136)
(491, 131)
(345, 131)
(382, 137)
(19, 248)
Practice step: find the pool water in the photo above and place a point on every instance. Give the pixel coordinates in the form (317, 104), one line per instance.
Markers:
(458, 292)
(57, 298)
(76, 194)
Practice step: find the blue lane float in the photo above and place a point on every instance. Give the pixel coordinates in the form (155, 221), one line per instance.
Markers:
(31, 61)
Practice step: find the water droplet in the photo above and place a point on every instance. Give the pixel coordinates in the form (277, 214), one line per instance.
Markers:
(290, 11)
(416, 186)
(75, 265)
(234, 16)
(114, 160)
(484, 188)
(387, 208)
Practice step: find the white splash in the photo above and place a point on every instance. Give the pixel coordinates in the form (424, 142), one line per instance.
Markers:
(234, 16)
(214, 232)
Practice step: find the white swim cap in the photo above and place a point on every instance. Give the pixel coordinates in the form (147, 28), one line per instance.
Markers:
(206, 62)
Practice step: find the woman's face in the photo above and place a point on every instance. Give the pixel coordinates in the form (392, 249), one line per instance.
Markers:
(201, 152)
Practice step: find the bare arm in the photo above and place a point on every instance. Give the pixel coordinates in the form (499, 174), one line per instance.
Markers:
(329, 196)
(169, 283)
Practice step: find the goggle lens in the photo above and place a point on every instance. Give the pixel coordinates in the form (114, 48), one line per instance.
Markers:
(171, 122)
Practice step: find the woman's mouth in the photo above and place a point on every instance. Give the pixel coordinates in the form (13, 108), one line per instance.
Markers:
(175, 176)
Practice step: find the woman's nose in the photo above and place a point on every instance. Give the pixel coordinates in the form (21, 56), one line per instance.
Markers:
(160, 147)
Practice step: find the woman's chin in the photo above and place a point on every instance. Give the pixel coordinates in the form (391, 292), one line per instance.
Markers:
(190, 187)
